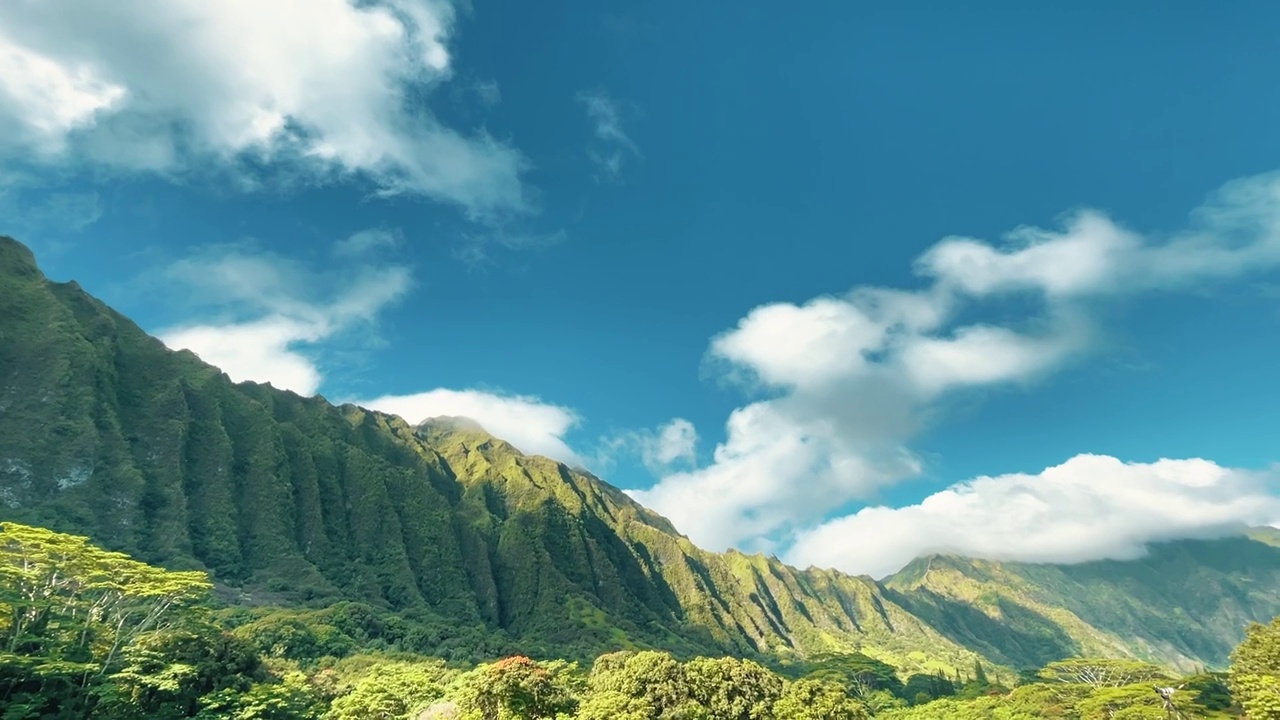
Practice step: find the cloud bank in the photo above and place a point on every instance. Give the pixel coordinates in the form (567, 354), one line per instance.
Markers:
(270, 313)
(528, 423)
(673, 444)
(849, 380)
(1089, 508)
(323, 87)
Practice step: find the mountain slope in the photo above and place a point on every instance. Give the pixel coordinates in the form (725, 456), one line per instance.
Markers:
(291, 500)
(1184, 604)
(285, 499)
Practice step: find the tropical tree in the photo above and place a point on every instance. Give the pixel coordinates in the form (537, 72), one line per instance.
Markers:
(733, 689)
(657, 681)
(1254, 675)
(817, 700)
(73, 614)
(1102, 672)
(518, 687)
(921, 688)
(390, 691)
(861, 674)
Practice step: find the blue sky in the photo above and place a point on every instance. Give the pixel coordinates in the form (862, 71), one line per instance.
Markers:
(587, 224)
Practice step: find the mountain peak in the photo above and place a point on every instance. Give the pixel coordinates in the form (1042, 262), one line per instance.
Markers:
(16, 258)
(453, 423)
(455, 431)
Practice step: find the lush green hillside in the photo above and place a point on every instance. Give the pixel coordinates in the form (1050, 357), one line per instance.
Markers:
(291, 501)
(1184, 604)
(288, 500)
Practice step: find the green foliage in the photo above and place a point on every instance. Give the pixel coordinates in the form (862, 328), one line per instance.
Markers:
(518, 687)
(1083, 689)
(61, 597)
(863, 675)
(611, 705)
(102, 635)
(342, 628)
(817, 700)
(293, 698)
(1255, 671)
(392, 692)
(651, 680)
(73, 615)
(90, 631)
(1048, 701)
(733, 689)
(1135, 702)
(1209, 693)
(169, 674)
(920, 688)
(1103, 672)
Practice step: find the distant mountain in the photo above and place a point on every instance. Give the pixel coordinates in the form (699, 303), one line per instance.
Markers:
(1184, 604)
(292, 500)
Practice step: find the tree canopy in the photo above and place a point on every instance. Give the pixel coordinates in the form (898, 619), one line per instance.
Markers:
(92, 633)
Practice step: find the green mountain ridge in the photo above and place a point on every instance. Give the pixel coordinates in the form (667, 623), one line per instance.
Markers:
(292, 500)
(1182, 604)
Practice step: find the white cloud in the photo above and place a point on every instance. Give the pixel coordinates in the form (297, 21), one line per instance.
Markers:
(1090, 507)
(611, 144)
(328, 85)
(261, 351)
(672, 444)
(271, 315)
(777, 468)
(367, 241)
(850, 380)
(53, 99)
(528, 423)
(1237, 230)
(675, 442)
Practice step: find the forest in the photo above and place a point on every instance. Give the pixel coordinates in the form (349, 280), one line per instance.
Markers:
(91, 633)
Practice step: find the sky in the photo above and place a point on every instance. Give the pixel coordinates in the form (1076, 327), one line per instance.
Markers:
(845, 284)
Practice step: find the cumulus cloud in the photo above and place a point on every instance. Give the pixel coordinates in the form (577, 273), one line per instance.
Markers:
(326, 85)
(272, 312)
(51, 99)
(1236, 230)
(676, 441)
(528, 423)
(670, 445)
(849, 380)
(611, 145)
(261, 351)
(1090, 507)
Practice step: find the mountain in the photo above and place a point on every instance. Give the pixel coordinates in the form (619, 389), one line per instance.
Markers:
(288, 500)
(292, 500)
(1183, 604)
